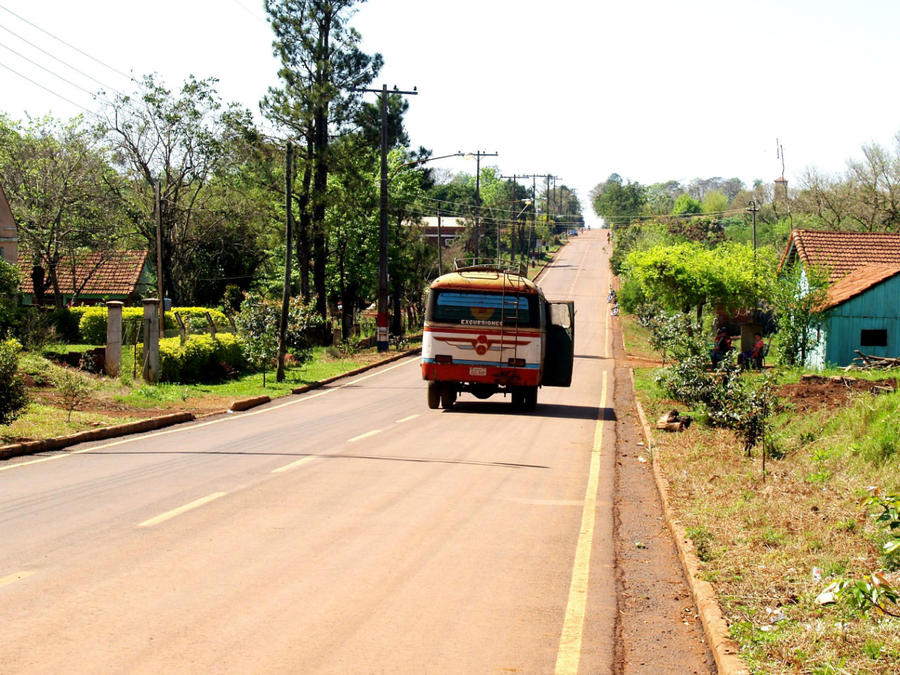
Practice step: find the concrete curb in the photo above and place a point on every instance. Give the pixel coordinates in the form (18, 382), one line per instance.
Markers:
(724, 649)
(152, 423)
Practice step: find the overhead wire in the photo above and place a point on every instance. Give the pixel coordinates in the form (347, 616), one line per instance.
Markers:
(70, 46)
(48, 90)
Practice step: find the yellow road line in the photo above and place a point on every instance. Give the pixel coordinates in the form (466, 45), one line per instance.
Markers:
(569, 654)
(182, 509)
(365, 435)
(179, 429)
(12, 578)
(407, 419)
(293, 465)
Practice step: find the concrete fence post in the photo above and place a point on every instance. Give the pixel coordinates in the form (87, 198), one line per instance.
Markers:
(151, 340)
(113, 362)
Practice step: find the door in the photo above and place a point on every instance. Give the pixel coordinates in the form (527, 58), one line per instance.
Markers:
(560, 355)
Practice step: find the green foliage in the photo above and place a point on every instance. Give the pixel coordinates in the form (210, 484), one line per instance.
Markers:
(686, 205)
(687, 275)
(889, 517)
(201, 358)
(73, 387)
(9, 291)
(871, 592)
(730, 399)
(93, 321)
(65, 322)
(258, 323)
(617, 202)
(797, 296)
(714, 201)
(13, 396)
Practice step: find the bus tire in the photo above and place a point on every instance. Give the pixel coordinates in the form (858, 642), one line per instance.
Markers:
(448, 396)
(517, 398)
(530, 398)
(434, 395)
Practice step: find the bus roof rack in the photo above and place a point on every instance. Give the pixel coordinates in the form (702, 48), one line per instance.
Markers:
(489, 265)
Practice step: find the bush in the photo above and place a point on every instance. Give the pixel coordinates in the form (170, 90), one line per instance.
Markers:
(65, 321)
(73, 387)
(13, 396)
(200, 359)
(93, 322)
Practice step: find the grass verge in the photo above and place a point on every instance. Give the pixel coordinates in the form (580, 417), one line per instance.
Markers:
(771, 542)
(128, 398)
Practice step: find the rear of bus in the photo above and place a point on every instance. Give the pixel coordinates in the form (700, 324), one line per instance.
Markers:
(483, 331)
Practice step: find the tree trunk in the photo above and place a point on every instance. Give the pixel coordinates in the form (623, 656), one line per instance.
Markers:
(320, 173)
(303, 249)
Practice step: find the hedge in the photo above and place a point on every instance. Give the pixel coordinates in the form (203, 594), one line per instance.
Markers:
(93, 321)
(200, 359)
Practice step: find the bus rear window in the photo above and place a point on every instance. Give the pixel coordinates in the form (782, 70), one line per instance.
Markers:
(470, 308)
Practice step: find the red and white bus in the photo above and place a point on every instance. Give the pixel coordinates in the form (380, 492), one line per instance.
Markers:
(491, 331)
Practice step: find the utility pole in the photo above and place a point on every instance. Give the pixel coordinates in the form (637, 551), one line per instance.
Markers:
(440, 247)
(478, 154)
(753, 208)
(534, 177)
(381, 321)
(512, 239)
(157, 198)
(289, 244)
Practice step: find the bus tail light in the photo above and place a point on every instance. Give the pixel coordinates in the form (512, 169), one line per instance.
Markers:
(517, 363)
(443, 358)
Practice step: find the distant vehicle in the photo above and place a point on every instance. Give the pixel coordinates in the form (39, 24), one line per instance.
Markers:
(489, 330)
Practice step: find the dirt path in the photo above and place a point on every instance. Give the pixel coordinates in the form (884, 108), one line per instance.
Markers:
(658, 629)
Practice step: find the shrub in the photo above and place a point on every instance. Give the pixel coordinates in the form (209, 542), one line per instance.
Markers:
(200, 359)
(73, 387)
(65, 321)
(13, 396)
(93, 322)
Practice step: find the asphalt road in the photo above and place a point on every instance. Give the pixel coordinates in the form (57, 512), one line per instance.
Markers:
(347, 530)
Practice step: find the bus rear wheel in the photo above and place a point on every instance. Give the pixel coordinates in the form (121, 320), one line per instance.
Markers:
(530, 398)
(448, 396)
(434, 395)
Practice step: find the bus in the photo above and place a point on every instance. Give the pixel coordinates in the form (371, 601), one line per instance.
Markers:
(488, 331)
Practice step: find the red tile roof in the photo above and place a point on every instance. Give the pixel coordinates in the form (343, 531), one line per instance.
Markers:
(859, 280)
(842, 252)
(117, 275)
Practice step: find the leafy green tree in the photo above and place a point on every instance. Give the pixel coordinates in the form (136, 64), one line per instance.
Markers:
(13, 395)
(64, 196)
(617, 202)
(714, 201)
(798, 296)
(179, 139)
(9, 292)
(686, 205)
(322, 67)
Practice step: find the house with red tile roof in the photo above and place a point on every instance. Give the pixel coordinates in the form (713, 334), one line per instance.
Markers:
(90, 280)
(9, 235)
(862, 307)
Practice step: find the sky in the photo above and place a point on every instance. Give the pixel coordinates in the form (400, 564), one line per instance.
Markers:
(653, 90)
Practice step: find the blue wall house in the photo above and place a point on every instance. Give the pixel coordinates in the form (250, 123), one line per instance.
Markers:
(862, 309)
(862, 313)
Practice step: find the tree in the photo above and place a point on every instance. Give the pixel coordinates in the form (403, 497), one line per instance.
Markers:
(9, 292)
(178, 139)
(714, 201)
(321, 69)
(798, 296)
(63, 195)
(686, 205)
(616, 202)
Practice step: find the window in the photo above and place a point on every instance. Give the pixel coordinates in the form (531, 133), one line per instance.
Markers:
(469, 308)
(873, 337)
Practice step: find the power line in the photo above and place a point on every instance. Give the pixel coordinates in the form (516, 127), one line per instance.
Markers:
(48, 90)
(47, 70)
(70, 46)
(56, 58)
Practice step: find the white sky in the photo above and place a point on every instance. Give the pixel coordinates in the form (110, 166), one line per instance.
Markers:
(650, 89)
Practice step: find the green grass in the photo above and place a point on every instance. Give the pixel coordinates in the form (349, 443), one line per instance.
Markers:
(127, 391)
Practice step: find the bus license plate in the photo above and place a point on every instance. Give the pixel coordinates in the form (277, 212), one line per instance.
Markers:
(475, 370)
